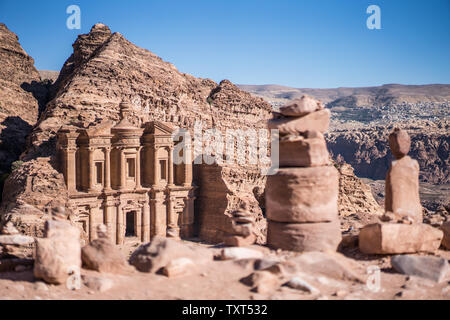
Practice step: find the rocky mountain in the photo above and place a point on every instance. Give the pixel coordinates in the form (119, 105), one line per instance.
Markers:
(356, 97)
(18, 106)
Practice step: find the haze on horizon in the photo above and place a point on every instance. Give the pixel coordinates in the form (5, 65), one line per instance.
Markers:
(300, 44)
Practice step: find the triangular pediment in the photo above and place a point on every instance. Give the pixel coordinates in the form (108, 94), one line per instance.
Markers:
(159, 128)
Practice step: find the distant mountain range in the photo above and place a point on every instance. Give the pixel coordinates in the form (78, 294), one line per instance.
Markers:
(350, 97)
(343, 96)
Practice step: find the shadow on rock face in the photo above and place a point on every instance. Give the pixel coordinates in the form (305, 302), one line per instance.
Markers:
(12, 140)
(40, 91)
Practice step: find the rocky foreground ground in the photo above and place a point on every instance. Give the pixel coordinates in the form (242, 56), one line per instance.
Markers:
(266, 275)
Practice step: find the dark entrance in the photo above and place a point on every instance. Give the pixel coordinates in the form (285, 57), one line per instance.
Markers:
(130, 230)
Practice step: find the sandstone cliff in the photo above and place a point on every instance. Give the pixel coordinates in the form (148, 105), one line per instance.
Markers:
(367, 149)
(18, 105)
(106, 68)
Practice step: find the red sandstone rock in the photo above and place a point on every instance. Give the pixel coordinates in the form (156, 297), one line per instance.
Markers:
(240, 241)
(19, 84)
(301, 107)
(103, 256)
(59, 255)
(178, 267)
(393, 238)
(318, 120)
(302, 195)
(156, 254)
(400, 143)
(300, 237)
(446, 240)
(402, 189)
(298, 151)
(262, 281)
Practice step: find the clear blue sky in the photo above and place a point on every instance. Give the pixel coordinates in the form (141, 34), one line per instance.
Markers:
(299, 43)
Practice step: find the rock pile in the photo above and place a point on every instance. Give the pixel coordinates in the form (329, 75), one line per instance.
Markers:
(14, 244)
(402, 230)
(243, 224)
(302, 197)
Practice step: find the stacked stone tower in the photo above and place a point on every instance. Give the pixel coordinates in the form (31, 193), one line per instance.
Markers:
(301, 198)
(401, 229)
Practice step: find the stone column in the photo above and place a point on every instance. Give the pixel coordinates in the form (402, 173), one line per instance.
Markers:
(173, 229)
(187, 228)
(120, 234)
(71, 169)
(145, 234)
(158, 217)
(187, 179)
(109, 211)
(155, 167)
(138, 168)
(107, 169)
(123, 170)
(170, 168)
(91, 170)
(92, 222)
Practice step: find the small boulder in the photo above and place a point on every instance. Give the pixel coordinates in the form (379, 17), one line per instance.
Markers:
(433, 268)
(300, 284)
(400, 143)
(301, 107)
(16, 240)
(178, 267)
(237, 253)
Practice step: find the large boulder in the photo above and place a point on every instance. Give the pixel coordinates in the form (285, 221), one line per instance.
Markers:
(446, 240)
(396, 238)
(160, 251)
(103, 256)
(59, 255)
(434, 268)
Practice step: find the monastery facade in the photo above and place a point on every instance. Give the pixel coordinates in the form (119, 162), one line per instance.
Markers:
(124, 176)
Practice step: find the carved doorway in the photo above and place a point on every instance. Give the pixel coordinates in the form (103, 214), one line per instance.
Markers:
(130, 227)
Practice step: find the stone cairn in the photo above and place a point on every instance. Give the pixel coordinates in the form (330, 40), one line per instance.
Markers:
(13, 244)
(302, 197)
(401, 229)
(243, 224)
